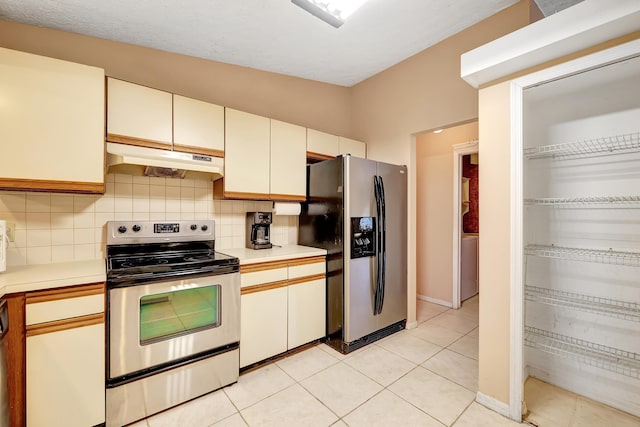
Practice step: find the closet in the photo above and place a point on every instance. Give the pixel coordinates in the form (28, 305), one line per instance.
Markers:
(581, 237)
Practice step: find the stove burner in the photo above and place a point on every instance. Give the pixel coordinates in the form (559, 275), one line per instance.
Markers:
(197, 258)
(143, 262)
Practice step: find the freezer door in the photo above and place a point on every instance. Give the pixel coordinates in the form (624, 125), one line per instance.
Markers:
(393, 302)
(359, 273)
(321, 226)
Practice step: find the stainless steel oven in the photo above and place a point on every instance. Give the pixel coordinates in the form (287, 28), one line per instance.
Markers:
(173, 316)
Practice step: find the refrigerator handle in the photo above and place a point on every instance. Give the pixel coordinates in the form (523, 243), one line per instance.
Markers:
(376, 295)
(383, 245)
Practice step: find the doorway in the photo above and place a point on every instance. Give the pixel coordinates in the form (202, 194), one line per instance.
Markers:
(465, 222)
(436, 211)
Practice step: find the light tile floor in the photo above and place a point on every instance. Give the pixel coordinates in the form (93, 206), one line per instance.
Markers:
(427, 376)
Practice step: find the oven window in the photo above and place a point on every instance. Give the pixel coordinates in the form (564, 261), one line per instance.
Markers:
(170, 314)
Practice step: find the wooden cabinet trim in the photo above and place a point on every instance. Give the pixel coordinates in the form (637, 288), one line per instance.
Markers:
(264, 287)
(262, 266)
(64, 324)
(139, 142)
(19, 184)
(245, 196)
(197, 150)
(16, 360)
(65, 293)
(300, 280)
(270, 265)
(319, 156)
(305, 261)
(287, 197)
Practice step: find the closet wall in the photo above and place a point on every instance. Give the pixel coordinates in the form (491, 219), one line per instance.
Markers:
(582, 233)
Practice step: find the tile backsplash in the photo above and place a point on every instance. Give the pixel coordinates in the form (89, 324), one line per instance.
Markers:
(52, 227)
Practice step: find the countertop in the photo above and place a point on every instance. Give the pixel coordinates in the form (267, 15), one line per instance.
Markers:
(253, 256)
(24, 278)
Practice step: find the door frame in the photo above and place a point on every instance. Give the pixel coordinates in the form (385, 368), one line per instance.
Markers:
(517, 373)
(459, 150)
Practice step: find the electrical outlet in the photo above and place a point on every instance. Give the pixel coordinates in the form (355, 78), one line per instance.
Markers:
(11, 231)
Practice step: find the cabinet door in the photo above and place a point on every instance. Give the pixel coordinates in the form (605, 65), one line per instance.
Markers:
(322, 145)
(288, 161)
(306, 312)
(353, 147)
(198, 127)
(263, 326)
(138, 115)
(246, 155)
(65, 377)
(51, 125)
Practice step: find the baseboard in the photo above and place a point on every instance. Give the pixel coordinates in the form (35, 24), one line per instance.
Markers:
(434, 300)
(411, 325)
(493, 404)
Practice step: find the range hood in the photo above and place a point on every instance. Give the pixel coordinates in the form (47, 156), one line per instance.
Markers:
(134, 160)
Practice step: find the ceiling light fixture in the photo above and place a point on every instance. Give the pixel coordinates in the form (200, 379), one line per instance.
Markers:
(437, 131)
(333, 12)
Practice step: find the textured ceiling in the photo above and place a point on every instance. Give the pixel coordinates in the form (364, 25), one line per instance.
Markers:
(270, 35)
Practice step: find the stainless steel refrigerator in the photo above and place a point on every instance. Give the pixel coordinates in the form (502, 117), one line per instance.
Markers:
(356, 209)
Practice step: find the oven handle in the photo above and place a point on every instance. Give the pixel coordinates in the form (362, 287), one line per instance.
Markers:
(157, 300)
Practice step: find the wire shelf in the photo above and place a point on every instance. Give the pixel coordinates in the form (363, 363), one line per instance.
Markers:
(619, 144)
(603, 306)
(633, 201)
(631, 259)
(589, 353)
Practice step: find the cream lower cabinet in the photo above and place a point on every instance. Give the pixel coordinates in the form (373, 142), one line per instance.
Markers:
(52, 124)
(306, 312)
(282, 305)
(65, 357)
(263, 330)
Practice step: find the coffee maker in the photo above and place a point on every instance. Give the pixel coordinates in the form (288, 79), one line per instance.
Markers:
(257, 234)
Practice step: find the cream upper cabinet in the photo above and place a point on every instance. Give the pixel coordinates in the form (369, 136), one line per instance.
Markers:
(322, 145)
(288, 178)
(138, 114)
(198, 126)
(51, 124)
(246, 170)
(353, 147)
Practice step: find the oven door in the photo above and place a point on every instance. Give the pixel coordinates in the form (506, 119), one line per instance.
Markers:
(152, 325)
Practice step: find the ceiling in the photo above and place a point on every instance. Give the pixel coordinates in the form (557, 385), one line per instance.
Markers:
(270, 35)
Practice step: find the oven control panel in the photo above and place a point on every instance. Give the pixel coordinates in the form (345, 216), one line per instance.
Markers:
(124, 232)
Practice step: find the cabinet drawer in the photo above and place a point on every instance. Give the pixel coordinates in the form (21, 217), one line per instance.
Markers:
(64, 303)
(264, 276)
(50, 311)
(304, 270)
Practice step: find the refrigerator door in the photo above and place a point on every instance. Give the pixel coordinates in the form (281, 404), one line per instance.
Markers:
(360, 274)
(393, 302)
